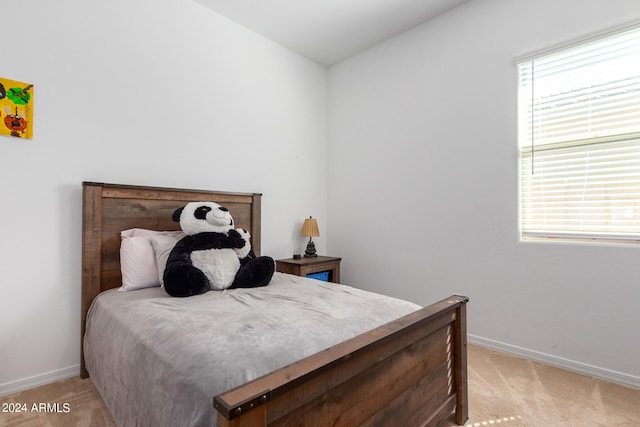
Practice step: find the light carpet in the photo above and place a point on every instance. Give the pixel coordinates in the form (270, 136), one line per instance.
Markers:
(509, 391)
(503, 391)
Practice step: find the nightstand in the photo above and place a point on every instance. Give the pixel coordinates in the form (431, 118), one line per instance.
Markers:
(306, 266)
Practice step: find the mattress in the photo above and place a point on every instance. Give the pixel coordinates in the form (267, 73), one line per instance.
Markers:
(158, 360)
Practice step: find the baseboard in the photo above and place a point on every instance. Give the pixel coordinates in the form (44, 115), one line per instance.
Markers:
(38, 380)
(559, 362)
(570, 365)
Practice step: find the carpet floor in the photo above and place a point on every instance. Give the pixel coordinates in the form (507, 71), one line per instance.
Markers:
(511, 392)
(503, 391)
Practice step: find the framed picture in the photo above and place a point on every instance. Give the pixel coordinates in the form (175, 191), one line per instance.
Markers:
(16, 108)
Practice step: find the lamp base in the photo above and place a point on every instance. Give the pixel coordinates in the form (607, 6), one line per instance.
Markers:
(310, 252)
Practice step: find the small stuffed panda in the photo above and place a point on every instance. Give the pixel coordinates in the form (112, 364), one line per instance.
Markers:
(213, 255)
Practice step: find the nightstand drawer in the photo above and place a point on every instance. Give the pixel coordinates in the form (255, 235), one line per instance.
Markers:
(316, 265)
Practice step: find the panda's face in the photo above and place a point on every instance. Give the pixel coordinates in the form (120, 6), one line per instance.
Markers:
(200, 217)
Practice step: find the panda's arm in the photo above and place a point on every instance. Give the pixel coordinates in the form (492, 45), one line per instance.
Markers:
(238, 240)
(243, 249)
(181, 278)
(211, 240)
(181, 252)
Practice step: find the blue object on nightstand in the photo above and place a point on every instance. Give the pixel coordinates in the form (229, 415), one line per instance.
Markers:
(323, 275)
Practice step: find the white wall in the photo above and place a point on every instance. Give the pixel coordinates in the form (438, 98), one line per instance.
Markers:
(163, 93)
(423, 186)
(171, 94)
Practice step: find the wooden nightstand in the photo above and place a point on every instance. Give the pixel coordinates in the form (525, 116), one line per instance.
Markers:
(305, 266)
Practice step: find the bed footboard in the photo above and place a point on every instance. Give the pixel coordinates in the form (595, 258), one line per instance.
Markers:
(409, 372)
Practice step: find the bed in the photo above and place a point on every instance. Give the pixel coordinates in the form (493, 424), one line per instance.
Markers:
(409, 370)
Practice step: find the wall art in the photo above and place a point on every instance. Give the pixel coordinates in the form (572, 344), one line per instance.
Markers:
(16, 108)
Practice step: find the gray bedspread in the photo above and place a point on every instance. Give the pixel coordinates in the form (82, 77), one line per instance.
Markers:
(158, 360)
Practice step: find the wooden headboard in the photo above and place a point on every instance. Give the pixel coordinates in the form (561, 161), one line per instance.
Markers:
(107, 209)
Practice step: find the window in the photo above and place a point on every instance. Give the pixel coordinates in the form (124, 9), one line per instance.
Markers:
(579, 141)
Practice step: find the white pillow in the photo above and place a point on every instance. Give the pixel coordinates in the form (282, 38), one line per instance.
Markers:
(137, 258)
(162, 246)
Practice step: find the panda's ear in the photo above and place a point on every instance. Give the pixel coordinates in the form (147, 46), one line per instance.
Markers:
(176, 214)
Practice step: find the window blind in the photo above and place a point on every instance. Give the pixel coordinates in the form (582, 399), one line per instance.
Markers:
(579, 140)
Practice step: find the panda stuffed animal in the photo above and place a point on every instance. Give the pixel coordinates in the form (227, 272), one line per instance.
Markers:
(213, 255)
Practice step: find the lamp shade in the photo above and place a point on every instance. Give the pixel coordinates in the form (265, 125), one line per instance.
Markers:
(310, 228)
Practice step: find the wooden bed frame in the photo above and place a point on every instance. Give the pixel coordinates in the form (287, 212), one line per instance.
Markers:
(409, 372)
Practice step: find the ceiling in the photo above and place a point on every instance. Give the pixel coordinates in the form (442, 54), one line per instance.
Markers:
(328, 31)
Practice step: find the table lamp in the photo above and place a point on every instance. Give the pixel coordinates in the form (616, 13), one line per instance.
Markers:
(310, 229)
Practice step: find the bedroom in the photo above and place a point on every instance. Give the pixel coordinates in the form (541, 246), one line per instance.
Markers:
(320, 139)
